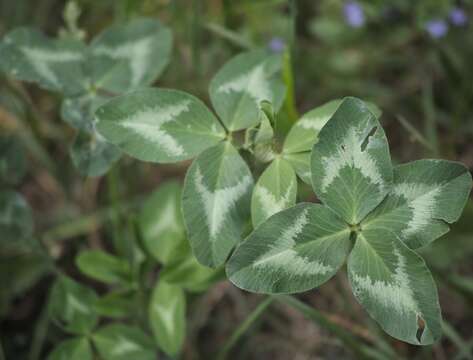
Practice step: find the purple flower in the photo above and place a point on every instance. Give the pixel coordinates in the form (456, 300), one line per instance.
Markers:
(276, 45)
(353, 13)
(437, 28)
(458, 16)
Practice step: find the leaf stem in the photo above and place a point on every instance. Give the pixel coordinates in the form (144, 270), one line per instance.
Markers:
(244, 327)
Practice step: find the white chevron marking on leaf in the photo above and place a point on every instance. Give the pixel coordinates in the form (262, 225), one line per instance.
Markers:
(397, 295)
(269, 204)
(313, 123)
(41, 59)
(288, 259)
(76, 304)
(166, 314)
(219, 202)
(137, 53)
(422, 202)
(123, 346)
(148, 122)
(254, 82)
(350, 154)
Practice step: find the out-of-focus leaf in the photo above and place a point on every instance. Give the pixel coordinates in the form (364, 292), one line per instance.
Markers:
(161, 222)
(16, 219)
(12, 160)
(72, 306)
(124, 342)
(92, 155)
(104, 267)
(72, 349)
(115, 305)
(167, 313)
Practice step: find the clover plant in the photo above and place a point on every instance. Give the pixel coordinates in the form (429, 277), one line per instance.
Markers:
(372, 214)
(121, 58)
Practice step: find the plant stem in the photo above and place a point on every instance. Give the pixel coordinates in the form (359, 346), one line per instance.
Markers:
(244, 327)
(39, 335)
(429, 113)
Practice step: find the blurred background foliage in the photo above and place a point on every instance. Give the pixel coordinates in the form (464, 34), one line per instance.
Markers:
(411, 58)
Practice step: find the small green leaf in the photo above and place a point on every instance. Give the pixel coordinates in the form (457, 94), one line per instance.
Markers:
(72, 306)
(394, 285)
(427, 195)
(159, 125)
(123, 342)
(275, 190)
(72, 349)
(350, 164)
(303, 134)
(92, 155)
(116, 305)
(295, 250)
(16, 219)
(301, 164)
(12, 160)
(104, 267)
(57, 65)
(216, 202)
(167, 314)
(161, 223)
(125, 57)
(187, 273)
(79, 111)
(242, 84)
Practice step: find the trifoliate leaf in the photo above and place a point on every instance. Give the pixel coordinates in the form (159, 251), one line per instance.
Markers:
(295, 250)
(304, 132)
(123, 342)
(275, 190)
(72, 306)
(350, 164)
(242, 84)
(394, 285)
(72, 349)
(161, 224)
(57, 65)
(104, 267)
(426, 196)
(159, 125)
(125, 57)
(216, 202)
(167, 315)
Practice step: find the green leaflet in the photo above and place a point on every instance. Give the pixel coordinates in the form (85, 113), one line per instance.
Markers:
(125, 57)
(72, 306)
(301, 164)
(426, 196)
(161, 225)
(72, 349)
(16, 218)
(79, 111)
(159, 125)
(242, 84)
(351, 165)
(92, 155)
(167, 314)
(57, 65)
(275, 190)
(117, 304)
(103, 266)
(123, 342)
(295, 250)
(12, 160)
(215, 202)
(303, 134)
(394, 285)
